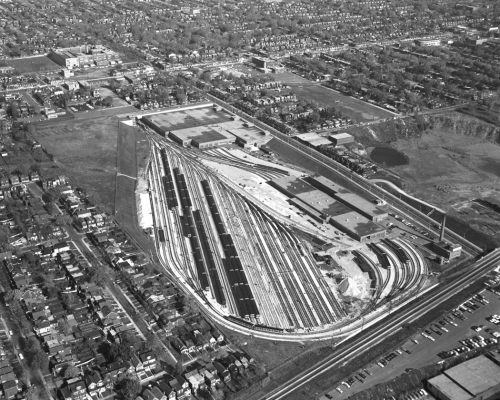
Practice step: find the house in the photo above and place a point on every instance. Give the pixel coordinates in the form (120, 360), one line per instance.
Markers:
(60, 247)
(10, 389)
(95, 384)
(196, 380)
(180, 386)
(136, 363)
(167, 390)
(217, 335)
(210, 380)
(222, 371)
(158, 393)
(148, 360)
(77, 388)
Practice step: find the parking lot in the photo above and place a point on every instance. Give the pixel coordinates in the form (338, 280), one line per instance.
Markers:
(427, 351)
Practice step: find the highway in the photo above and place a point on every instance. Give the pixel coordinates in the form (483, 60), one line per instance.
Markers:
(373, 337)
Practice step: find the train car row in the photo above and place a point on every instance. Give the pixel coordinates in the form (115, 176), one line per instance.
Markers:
(167, 182)
(210, 262)
(190, 232)
(245, 302)
(243, 296)
(365, 267)
(381, 255)
(219, 225)
(183, 192)
(400, 252)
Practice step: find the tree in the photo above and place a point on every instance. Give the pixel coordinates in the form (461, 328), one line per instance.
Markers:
(99, 276)
(128, 386)
(13, 295)
(63, 219)
(108, 101)
(71, 372)
(179, 368)
(64, 326)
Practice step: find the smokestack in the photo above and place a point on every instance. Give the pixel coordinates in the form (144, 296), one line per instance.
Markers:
(441, 236)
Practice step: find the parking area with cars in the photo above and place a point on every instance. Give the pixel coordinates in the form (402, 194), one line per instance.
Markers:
(453, 334)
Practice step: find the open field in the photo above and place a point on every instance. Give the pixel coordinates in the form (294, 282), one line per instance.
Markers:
(450, 170)
(40, 64)
(357, 110)
(290, 78)
(86, 151)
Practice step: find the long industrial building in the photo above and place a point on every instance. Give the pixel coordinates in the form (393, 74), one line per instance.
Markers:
(475, 379)
(329, 202)
(206, 127)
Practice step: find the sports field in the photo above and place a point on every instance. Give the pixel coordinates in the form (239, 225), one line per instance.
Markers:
(357, 110)
(40, 64)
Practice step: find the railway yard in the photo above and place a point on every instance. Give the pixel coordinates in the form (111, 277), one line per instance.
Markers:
(234, 243)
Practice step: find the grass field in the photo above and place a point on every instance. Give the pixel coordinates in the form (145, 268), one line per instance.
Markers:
(290, 78)
(86, 151)
(40, 64)
(357, 110)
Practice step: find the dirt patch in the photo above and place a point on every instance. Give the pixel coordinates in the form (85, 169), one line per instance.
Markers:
(451, 163)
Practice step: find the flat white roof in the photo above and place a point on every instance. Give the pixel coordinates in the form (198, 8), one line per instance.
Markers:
(342, 135)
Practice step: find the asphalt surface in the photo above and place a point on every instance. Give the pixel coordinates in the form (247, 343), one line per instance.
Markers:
(426, 351)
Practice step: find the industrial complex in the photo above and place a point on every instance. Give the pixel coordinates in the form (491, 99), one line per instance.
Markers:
(325, 201)
(268, 246)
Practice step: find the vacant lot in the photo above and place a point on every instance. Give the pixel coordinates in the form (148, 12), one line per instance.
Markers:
(117, 101)
(86, 151)
(40, 64)
(450, 170)
(357, 110)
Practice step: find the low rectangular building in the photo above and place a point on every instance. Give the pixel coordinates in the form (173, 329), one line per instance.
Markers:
(357, 227)
(312, 139)
(447, 251)
(428, 42)
(202, 137)
(339, 139)
(475, 379)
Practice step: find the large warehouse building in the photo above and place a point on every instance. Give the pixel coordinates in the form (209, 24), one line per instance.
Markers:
(475, 379)
(339, 139)
(366, 208)
(346, 211)
(206, 127)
